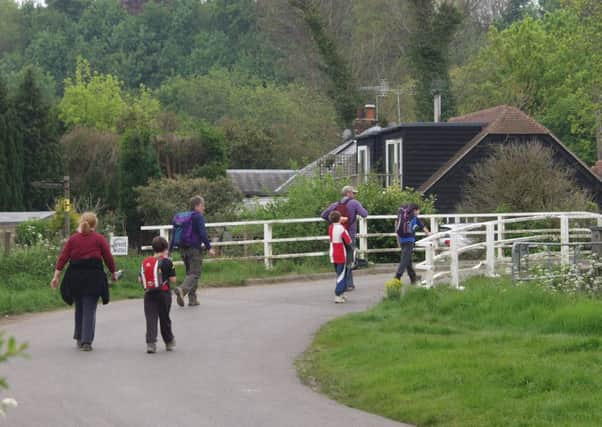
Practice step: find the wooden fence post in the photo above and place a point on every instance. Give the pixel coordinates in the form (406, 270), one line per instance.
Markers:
(267, 245)
(363, 249)
(564, 240)
(490, 249)
(7, 242)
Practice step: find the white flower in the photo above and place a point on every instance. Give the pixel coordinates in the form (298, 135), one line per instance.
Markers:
(7, 402)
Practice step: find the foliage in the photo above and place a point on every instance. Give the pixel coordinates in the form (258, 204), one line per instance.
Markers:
(393, 288)
(138, 164)
(582, 278)
(99, 101)
(334, 64)
(494, 354)
(9, 348)
(56, 224)
(91, 159)
(41, 151)
(523, 177)
(547, 67)
(31, 233)
(160, 199)
(215, 158)
(435, 25)
(11, 155)
(292, 122)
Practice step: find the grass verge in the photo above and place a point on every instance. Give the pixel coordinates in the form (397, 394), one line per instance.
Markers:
(493, 355)
(26, 273)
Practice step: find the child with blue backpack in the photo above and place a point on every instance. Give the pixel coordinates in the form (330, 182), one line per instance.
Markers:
(406, 226)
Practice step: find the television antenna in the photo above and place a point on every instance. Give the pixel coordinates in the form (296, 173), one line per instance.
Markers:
(383, 90)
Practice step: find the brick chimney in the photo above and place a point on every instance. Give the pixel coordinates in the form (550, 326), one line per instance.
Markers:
(366, 118)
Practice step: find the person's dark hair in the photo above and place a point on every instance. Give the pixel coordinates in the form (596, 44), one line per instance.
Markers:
(195, 201)
(159, 244)
(413, 207)
(335, 216)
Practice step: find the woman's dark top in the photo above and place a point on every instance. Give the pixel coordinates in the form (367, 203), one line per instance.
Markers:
(85, 275)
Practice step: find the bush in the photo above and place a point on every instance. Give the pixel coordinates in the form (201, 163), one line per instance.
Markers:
(30, 233)
(393, 289)
(523, 177)
(161, 198)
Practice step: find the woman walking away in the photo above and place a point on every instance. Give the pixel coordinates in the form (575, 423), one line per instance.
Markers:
(85, 280)
(406, 226)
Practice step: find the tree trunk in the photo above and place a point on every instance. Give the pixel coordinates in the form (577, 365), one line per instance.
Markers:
(598, 108)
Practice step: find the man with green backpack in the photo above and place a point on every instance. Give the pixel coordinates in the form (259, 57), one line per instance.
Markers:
(189, 235)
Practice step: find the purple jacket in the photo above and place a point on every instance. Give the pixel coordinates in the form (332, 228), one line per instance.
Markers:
(355, 208)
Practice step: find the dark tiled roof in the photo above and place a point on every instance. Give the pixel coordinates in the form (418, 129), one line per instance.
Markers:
(500, 120)
(259, 182)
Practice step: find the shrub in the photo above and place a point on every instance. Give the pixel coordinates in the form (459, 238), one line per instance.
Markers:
(393, 289)
(30, 233)
(523, 177)
(161, 198)
(57, 222)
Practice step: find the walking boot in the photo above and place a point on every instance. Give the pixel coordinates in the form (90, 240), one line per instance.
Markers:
(179, 296)
(169, 346)
(151, 348)
(192, 300)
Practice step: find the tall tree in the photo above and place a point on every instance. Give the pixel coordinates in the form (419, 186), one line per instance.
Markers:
(334, 65)
(138, 164)
(39, 128)
(11, 156)
(434, 28)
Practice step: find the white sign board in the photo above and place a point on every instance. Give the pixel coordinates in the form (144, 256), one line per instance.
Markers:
(119, 245)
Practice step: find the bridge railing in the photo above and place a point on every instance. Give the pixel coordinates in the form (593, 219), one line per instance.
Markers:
(477, 226)
(497, 236)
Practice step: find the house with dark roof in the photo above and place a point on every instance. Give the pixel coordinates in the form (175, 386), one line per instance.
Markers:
(259, 185)
(436, 158)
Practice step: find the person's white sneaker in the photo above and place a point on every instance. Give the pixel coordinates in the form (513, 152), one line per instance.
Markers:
(339, 299)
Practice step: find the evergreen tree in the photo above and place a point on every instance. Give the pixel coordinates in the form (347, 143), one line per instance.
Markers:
(434, 28)
(11, 156)
(39, 131)
(138, 163)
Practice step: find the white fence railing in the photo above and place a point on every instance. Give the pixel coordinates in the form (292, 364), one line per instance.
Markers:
(497, 237)
(490, 227)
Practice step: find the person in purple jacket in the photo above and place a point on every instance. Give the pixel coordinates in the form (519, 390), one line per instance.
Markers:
(352, 207)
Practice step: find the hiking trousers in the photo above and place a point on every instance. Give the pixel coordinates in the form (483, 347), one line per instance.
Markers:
(85, 318)
(405, 263)
(156, 308)
(193, 260)
(341, 271)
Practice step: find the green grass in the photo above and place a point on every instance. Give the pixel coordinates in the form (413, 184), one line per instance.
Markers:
(493, 355)
(25, 277)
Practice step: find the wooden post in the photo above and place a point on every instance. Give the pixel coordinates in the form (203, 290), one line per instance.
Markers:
(500, 237)
(363, 249)
(67, 191)
(490, 249)
(455, 260)
(430, 264)
(267, 245)
(434, 225)
(7, 242)
(564, 240)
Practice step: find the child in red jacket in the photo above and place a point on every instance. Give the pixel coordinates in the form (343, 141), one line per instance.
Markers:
(339, 242)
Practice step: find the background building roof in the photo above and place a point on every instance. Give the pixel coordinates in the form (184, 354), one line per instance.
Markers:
(259, 182)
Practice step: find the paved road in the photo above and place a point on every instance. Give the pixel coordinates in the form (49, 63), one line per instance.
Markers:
(233, 366)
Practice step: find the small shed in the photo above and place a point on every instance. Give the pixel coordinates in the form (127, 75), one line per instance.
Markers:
(259, 185)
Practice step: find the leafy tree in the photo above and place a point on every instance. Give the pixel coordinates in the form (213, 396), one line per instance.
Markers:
(11, 156)
(342, 86)
(433, 31)
(549, 68)
(72, 8)
(161, 198)
(39, 130)
(137, 164)
(216, 157)
(523, 177)
(98, 101)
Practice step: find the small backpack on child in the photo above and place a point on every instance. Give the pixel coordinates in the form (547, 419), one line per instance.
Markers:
(341, 208)
(151, 275)
(183, 235)
(403, 226)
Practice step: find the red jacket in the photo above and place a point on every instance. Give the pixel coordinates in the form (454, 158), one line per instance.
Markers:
(339, 236)
(85, 246)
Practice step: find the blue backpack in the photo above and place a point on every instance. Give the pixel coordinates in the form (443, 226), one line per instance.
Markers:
(183, 234)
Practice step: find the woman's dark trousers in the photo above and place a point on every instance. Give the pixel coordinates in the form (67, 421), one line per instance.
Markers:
(85, 318)
(156, 307)
(405, 263)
